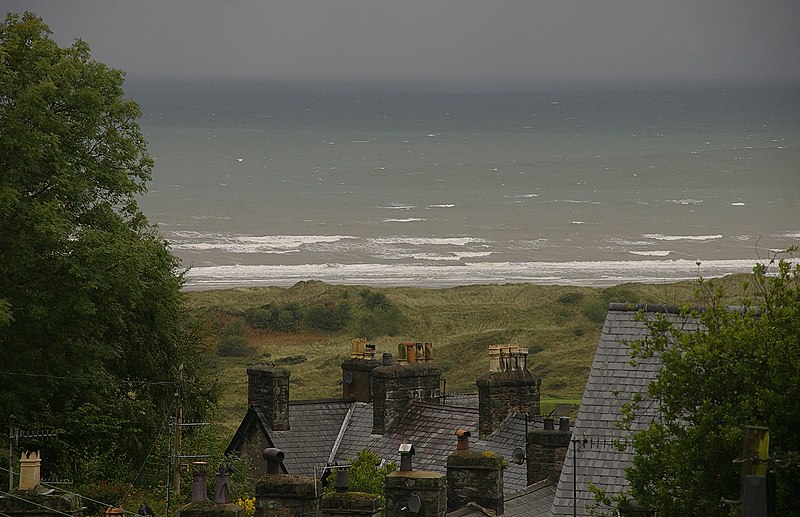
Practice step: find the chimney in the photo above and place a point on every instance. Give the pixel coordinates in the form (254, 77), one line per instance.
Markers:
(199, 483)
(342, 503)
(282, 495)
(546, 450)
(222, 484)
(396, 385)
(462, 440)
(414, 492)
(268, 389)
(474, 477)
(511, 389)
(30, 465)
(357, 371)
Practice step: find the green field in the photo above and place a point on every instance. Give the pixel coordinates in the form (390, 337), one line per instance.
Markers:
(560, 325)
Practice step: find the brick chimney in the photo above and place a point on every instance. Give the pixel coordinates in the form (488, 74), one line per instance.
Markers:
(396, 385)
(356, 371)
(268, 390)
(509, 387)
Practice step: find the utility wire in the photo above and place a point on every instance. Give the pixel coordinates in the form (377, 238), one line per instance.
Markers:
(66, 492)
(36, 504)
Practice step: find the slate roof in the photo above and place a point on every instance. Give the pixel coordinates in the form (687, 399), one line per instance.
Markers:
(431, 427)
(341, 428)
(534, 501)
(314, 427)
(612, 382)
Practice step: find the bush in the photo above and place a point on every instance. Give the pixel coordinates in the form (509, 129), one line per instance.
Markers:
(276, 318)
(232, 342)
(329, 316)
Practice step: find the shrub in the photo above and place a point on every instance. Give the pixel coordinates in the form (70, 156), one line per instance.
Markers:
(232, 342)
(329, 316)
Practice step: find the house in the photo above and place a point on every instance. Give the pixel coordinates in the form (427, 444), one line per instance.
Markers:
(593, 456)
(388, 403)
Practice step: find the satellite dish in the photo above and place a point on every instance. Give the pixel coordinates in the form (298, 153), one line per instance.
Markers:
(348, 377)
(414, 503)
(519, 455)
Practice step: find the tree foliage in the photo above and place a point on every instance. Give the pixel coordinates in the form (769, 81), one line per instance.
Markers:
(92, 325)
(742, 369)
(366, 474)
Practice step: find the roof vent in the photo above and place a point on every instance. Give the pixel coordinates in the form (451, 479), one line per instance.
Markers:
(274, 458)
(462, 443)
(406, 451)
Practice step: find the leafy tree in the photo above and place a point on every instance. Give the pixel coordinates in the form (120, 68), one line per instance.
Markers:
(742, 369)
(366, 473)
(92, 324)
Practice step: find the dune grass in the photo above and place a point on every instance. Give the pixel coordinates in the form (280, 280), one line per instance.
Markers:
(560, 325)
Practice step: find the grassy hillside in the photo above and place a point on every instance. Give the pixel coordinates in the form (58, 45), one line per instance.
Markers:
(560, 326)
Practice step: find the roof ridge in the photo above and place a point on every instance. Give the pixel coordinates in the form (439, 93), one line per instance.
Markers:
(342, 400)
(670, 309)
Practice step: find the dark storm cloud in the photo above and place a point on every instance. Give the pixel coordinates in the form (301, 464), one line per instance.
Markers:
(435, 40)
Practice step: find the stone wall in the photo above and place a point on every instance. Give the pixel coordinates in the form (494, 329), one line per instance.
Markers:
(209, 509)
(360, 385)
(283, 495)
(475, 477)
(268, 388)
(430, 487)
(395, 386)
(546, 451)
(500, 394)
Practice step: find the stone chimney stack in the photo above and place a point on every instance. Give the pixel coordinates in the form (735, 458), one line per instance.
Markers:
(396, 385)
(474, 477)
(509, 387)
(546, 450)
(357, 371)
(415, 492)
(282, 495)
(268, 389)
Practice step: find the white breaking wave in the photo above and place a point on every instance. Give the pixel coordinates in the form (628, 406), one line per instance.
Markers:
(659, 237)
(424, 241)
(444, 205)
(450, 256)
(591, 273)
(685, 201)
(232, 243)
(654, 253)
(406, 220)
(398, 207)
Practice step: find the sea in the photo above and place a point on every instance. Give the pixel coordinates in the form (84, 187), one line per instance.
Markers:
(259, 183)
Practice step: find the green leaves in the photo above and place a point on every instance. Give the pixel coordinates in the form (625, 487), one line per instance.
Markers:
(740, 369)
(89, 294)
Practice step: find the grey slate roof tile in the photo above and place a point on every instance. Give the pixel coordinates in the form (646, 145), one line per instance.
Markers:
(612, 381)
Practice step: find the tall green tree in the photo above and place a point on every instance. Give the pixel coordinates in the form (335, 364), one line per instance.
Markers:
(742, 369)
(92, 325)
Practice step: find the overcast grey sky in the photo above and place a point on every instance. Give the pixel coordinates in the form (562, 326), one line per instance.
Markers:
(435, 40)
